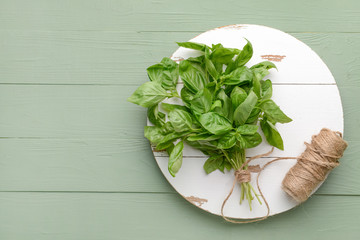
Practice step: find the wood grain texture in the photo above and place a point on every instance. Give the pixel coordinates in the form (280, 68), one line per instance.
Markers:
(166, 15)
(121, 57)
(90, 111)
(111, 165)
(68, 137)
(76, 216)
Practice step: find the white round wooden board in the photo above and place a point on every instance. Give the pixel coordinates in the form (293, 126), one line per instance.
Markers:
(305, 90)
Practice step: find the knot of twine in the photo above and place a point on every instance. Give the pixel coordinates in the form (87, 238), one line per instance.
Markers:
(312, 167)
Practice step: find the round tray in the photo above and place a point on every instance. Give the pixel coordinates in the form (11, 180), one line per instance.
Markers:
(305, 90)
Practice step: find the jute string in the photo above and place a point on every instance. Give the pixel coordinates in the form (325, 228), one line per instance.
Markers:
(312, 167)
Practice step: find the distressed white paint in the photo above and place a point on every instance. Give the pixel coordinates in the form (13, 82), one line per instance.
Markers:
(305, 90)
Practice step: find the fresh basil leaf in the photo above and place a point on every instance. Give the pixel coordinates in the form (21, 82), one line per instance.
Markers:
(153, 133)
(247, 129)
(251, 141)
(203, 137)
(148, 94)
(254, 115)
(238, 96)
(209, 65)
(265, 64)
(166, 72)
(170, 148)
(226, 110)
(175, 158)
(155, 116)
(271, 134)
(216, 46)
(260, 73)
(241, 75)
(180, 120)
(216, 104)
(202, 101)
(227, 141)
(203, 146)
(155, 72)
(187, 96)
(169, 138)
(223, 55)
(266, 89)
(192, 45)
(199, 59)
(243, 57)
(170, 107)
(243, 111)
(215, 123)
(273, 111)
(213, 163)
(256, 87)
(193, 78)
(167, 128)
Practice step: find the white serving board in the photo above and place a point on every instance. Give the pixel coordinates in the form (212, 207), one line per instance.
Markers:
(305, 90)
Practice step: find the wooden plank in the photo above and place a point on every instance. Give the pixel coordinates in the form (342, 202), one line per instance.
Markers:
(87, 111)
(74, 216)
(184, 15)
(106, 57)
(115, 165)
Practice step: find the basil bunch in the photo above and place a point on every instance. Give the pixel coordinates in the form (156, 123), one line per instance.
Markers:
(224, 102)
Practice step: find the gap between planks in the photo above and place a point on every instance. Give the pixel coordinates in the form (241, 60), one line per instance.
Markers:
(142, 192)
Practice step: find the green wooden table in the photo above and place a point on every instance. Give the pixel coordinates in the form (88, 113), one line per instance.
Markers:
(73, 160)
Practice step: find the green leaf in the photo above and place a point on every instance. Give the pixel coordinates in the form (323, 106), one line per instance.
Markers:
(153, 133)
(202, 145)
(155, 72)
(244, 56)
(216, 104)
(226, 110)
(170, 148)
(209, 65)
(199, 59)
(193, 78)
(224, 55)
(260, 73)
(187, 96)
(243, 111)
(181, 120)
(265, 64)
(166, 73)
(170, 107)
(251, 141)
(148, 94)
(202, 101)
(254, 115)
(273, 112)
(215, 123)
(213, 163)
(227, 141)
(247, 129)
(271, 134)
(266, 89)
(155, 116)
(192, 45)
(241, 75)
(238, 96)
(175, 158)
(203, 137)
(169, 138)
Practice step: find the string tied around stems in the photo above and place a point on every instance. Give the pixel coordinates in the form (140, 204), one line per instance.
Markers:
(312, 167)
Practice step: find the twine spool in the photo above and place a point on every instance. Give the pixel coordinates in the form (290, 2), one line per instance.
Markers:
(314, 164)
(312, 167)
